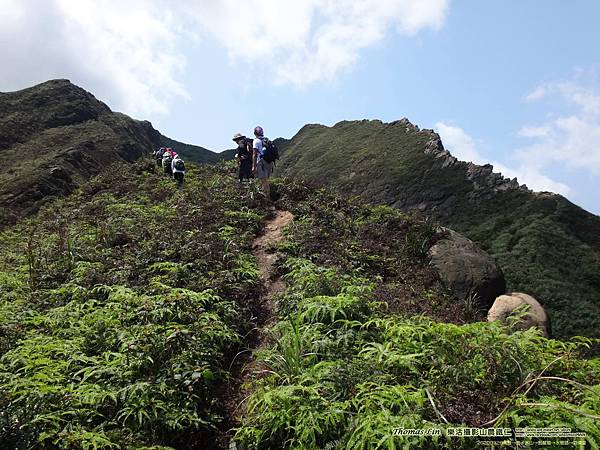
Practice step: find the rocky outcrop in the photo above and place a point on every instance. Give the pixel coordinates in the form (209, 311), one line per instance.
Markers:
(466, 270)
(482, 177)
(507, 305)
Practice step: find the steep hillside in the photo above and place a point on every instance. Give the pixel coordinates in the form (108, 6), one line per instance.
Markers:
(129, 295)
(135, 315)
(56, 135)
(546, 245)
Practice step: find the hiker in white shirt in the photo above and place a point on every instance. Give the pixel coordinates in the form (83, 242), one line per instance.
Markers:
(178, 169)
(260, 167)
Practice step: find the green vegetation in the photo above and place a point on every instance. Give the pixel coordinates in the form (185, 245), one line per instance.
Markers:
(124, 305)
(121, 309)
(545, 245)
(350, 362)
(57, 135)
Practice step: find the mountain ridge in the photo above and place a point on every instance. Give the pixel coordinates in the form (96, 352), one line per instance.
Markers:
(544, 243)
(195, 153)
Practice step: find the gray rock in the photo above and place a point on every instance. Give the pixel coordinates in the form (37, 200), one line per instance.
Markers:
(505, 306)
(60, 173)
(467, 270)
(449, 162)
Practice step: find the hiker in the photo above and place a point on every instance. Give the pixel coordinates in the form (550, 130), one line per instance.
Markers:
(158, 155)
(263, 159)
(172, 152)
(243, 156)
(167, 161)
(178, 169)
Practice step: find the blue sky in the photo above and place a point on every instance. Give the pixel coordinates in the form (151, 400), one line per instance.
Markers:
(513, 83)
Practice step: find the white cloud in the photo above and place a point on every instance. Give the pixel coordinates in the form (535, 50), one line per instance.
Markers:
(125, 52)
(587, 100)
(463, 146)
(302, 42)
(459, 142)
(535, 131)
(128, 52)
(537, 94)
(570, 140)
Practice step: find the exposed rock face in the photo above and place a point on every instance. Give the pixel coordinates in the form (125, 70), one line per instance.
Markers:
(466, 270)
(505, 306)
(57, 135)
(483, 177)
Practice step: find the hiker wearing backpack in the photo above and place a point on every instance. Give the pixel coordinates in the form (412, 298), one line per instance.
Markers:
(178, 169)
(167, 162)
(243, 156)
(159, 156)
(171, 152)
(263, 160)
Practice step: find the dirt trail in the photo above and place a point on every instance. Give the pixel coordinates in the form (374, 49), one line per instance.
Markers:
(264, 248)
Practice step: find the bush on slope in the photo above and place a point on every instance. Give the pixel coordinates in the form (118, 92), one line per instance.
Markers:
(121, 309)
(348, 364)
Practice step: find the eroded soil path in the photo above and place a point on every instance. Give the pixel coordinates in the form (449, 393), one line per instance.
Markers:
(264, 247)
(247, 368)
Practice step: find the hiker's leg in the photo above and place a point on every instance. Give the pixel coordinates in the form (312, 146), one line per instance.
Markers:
(246, 168)
(268, 180)
(178, 178)
(264, 187)
(261, 174)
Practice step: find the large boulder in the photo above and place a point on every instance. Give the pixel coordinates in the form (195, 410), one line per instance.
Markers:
(466, 270)
(505, 306)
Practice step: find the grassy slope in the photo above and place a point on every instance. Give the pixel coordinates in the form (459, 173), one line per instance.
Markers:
(546, 246)
(121, 309)
(123, 305)
(350, 360)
